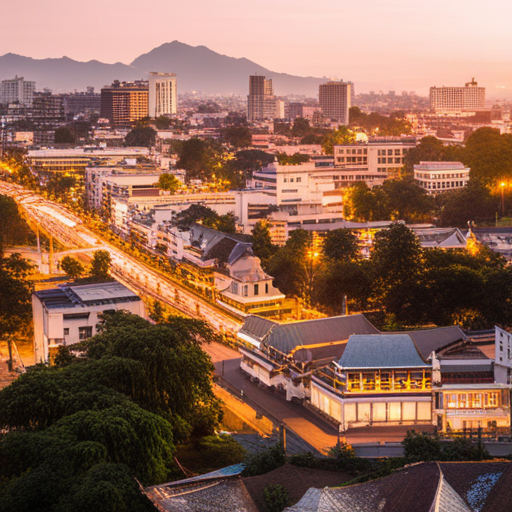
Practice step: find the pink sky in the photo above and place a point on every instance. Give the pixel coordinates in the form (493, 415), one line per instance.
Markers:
(392, 44)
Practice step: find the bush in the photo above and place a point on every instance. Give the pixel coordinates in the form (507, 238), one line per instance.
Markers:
(464, 449)
(420, 447)
(265, 461)
(276, 497)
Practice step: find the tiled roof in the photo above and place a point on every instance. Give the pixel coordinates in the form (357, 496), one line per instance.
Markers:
(431, 340)
(412, 489)
(381, 351)
(257, 326)
(287, 337)
(465, 368)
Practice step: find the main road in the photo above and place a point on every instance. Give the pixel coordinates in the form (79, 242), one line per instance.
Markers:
(67, 228)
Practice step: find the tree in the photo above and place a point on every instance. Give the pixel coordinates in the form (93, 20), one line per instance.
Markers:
(472, 203)
(237, 136)
(277, 497)
(194, 214)
(72, 267)
(341, 245)
(300, 127)
(141, 136)
(262, 245)
(100, 265)
(430, 149)
(295, 159)
(397, 264)
(169, 182)
(63, 135)
(407, 201)
(336, 138)
(163, 123)
(13, 229)
(193, 157)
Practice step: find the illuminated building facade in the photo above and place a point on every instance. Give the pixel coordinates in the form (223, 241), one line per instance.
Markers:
(163, 94)
(124, 103)
(450, 100)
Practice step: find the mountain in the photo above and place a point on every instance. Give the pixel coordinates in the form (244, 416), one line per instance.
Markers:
(198, 69)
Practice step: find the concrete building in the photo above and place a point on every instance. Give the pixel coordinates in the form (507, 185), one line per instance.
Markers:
(124, 103)
(373, 161)
(17, 90)
(438, 177)
(82, 102)
(335, 101)
(261, 102)
(452, 100)
(69, 314)
(163, 94)
(308, 187)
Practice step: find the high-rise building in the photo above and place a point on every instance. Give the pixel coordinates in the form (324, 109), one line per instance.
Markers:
(82, 102)
(457, 99)
(17, 90)
(124, 103)
(163, 94)
(261, 102)
(335, 100)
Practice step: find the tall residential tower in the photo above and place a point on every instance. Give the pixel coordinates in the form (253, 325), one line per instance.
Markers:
(261, 102)
(163, 94)
(450, 100)
(335, 100)
(17, 90)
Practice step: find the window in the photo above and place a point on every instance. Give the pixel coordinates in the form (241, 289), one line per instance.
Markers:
(298, 180)
(235, 288)
(390, 152)
(66, 331)
(256, 289)
(397, 152)
(266, 288)
(246, 291)
(84, 333)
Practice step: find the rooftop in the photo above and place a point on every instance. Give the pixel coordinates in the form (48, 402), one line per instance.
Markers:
(439, 166)
(432, 340)
(75, 296)
(381, 351)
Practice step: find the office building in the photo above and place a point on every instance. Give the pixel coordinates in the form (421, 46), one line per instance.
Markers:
(438, 177)
(261, 102)
(163, 94)
(82, 102)
(450, 100)
(124, 103)
(69, 314)
(335, 101)
(374, 161)
(17, 90)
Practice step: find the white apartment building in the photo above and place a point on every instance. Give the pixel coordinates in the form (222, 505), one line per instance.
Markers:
(335, 101)
(299, 188)
(163, 94)
(438, 177)
(69, 314)
(450, 100)
(373, 161)
(17, 90)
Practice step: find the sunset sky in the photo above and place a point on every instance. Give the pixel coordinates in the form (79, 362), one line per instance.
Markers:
(397, 44)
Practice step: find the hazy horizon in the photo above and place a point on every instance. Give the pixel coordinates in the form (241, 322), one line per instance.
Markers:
(393, 46)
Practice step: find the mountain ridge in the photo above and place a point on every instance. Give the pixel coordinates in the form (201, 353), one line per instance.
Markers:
(198, 68)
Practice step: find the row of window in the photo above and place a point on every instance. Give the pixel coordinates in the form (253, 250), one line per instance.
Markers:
(297, 180)
(471, 400)
(245, 289)
(443, 176)
(441, 185)
(358, 151)
(83, 332)
(352, 159)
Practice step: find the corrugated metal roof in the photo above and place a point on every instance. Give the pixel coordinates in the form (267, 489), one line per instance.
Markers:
(465, 368)
(257, 327)
(381, 351)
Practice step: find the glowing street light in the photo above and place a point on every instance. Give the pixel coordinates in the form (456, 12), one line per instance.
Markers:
(502, 186)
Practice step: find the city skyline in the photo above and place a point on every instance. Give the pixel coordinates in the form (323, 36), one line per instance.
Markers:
(398, 46)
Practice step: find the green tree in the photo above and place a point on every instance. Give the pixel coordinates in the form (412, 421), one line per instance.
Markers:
(421, 447)
(295, 159)
(407, 201)
(194, 214)
(342, 135)
(237, 136)
(262, 245)
(341, 245)
(397, 265)
(300, 127)
(193, 157)
(169, 182)
(63, 135)
(430, 149)
(100, 265)
(13, 229)
(141, 136)
(276, 497)
(72, 267)
(163, 123)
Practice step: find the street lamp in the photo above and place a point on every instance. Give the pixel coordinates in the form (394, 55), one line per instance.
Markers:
(502, 186)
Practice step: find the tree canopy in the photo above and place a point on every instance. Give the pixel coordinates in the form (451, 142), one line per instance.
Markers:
(100, 265)
(169, 182)
(141, 136)
(72, 267)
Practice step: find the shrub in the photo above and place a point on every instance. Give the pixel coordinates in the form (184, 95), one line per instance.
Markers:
(419, 447)
(265, 461)
(464, 449)
(276, 497)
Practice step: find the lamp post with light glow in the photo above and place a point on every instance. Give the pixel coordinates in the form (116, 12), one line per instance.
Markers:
(502, 186)
(311, 271)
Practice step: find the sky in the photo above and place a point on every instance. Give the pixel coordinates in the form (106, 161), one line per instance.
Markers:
(389, 45)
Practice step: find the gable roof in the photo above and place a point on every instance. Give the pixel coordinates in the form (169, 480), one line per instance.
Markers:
(287, 337)
(431, 340)
(381, 351)
(257, 327)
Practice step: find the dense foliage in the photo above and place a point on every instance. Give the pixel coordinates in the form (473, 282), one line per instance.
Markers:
(83, 429)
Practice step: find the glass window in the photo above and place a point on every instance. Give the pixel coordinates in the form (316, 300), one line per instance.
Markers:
(266, 287)
(400, 380)
(363, 412)
(463, 401)
(369, 381)
(394, 411)
(298, 180)
(256, 289)
(409, 411)
(379, 411)
(385, 381)
(353, 381)
(390, 152)
(84, 333)
(66, 331)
